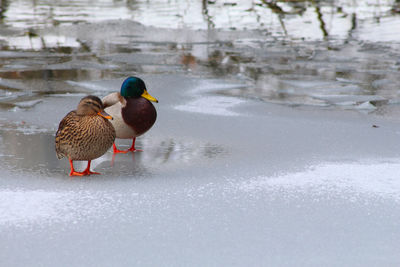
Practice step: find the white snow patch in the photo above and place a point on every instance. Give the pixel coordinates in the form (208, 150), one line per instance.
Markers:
(216, 85)
(28, 104)
(376, 179)
(25, 207)
(215, 105)
(212, 104)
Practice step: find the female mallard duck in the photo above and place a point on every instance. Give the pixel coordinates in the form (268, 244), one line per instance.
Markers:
(133, 112)
(85, 133)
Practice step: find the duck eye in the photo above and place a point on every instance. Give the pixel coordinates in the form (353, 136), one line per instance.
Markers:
(95, 105)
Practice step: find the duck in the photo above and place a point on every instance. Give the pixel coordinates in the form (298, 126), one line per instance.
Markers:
(133, 112)
(84, 134)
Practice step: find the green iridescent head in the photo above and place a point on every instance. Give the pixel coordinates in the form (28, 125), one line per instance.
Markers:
(135, 87)
(132, 87)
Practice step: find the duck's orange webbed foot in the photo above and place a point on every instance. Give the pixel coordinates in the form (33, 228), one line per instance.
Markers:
(131, 149)
(87, 171)
(74, 173)
(116, 150)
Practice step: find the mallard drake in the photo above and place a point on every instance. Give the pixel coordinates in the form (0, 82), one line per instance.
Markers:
(85, 134)
(133, 112)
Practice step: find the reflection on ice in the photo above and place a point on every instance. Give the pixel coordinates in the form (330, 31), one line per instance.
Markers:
(277, 67)
(300, 19)
(29, 148)
(26, 42)
(158, 154)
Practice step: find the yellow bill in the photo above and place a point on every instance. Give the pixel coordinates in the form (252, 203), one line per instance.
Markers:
(148, 96)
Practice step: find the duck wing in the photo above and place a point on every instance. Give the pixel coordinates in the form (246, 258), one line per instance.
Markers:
(65, 132)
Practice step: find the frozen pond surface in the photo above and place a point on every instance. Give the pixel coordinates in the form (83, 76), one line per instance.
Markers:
(261, 184)
(276, 143)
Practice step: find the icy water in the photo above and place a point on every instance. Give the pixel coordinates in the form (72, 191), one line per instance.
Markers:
(276, 142)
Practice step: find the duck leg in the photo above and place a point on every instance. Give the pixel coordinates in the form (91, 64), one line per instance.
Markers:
(73, 172)
(85, 172)
(132, 148)
(116, 150)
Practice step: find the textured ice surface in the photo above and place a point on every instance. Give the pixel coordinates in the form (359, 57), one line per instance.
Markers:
(275, 184)
(370, 182)
(226, 177)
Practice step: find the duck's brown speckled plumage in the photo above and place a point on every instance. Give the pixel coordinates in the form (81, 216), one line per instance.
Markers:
(83, 137)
